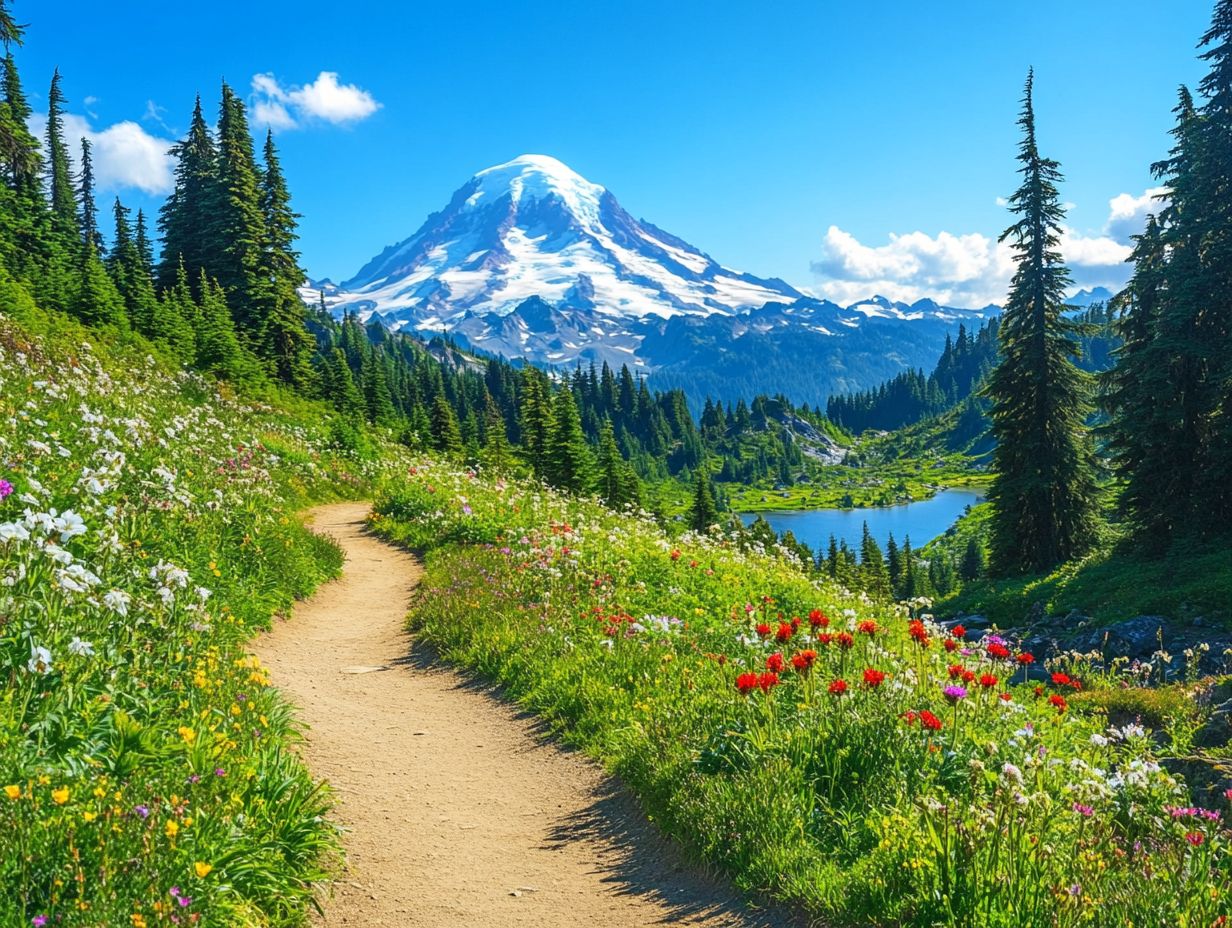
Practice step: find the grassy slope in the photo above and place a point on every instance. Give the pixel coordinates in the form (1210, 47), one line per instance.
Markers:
(630, 643)
(141, 750)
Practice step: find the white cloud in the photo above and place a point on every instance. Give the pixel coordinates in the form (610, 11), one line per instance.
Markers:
(973, 269)
(125, 155)
(325, 99)
(1127, 213)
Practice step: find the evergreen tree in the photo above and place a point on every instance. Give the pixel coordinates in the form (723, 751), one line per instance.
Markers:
(378, 403)
(88, 219)
(894, 563)
(284, 342)
(241, 227)
(446, 436)
(972, 567)
(59, 169)
(1043, 492)
(340, 389)
(536, 423)
(130, 274)
(568, 461)
(97, 302)
(873, 572)
(218, 347)
(188, 220)
(704, 511)
(497, 454)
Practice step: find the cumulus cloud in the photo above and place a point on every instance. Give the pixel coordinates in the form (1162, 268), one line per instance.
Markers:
(972, 270)
(325, 99)
(125, 155)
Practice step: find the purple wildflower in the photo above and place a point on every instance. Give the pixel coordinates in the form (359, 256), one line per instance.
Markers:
(6, 489)
(143, 811)
(954, 693)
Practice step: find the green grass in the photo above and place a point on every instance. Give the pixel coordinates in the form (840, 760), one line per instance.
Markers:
(147, 768)
(1111, 585)
(826, 789)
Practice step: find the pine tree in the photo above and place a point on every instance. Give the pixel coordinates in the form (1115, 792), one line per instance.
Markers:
(873, 572)
(59, 170)
(131, 275)
(446, 436)
(497, 453)
(188, 221)
(97, 302)
(340, 389)
(972, 566)
(219, 350)
(894, 563)
(284, 341)
(704, 512)
(1043, 492)
(378, 404)
(241, 227)
(88, 219)
(568, 458)
(536, 425)
(23, 211)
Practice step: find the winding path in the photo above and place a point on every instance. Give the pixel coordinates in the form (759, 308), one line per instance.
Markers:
(458, 811)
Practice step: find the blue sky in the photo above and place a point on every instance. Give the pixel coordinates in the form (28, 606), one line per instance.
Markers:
(846, 148)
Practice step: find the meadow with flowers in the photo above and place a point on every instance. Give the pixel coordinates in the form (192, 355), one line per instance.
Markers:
(852, 757)
(147, 529)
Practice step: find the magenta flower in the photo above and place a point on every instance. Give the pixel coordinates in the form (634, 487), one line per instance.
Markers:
(39, 920)
(954, 693)
(1083, 810)
(6, 490)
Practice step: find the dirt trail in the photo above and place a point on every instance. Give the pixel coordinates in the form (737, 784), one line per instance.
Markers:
(458, 812)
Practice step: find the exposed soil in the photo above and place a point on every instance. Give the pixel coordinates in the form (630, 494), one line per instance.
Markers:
(458, 811)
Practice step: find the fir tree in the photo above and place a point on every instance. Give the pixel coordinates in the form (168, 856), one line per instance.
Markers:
(972, 567)
(241, 227)
(872, 565)
(378, 404)
(218, 347)
(340, 389)
(97, 302)
(446, 436)
(188, 220)
(88, 218)
(59, 170)
(1043, 492)
(704, 512)
(568, 459)
(894, 563)
(497, 453)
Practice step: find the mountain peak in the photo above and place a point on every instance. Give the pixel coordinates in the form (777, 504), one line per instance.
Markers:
(529, 178)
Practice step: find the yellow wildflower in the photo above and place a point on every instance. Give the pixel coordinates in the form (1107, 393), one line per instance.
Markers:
(203, 869)
(89, 816)
(13, 792)
(187, 734)
(172, 829)
(60, 796)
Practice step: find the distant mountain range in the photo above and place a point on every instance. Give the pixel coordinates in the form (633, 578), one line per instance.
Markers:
(531, 260)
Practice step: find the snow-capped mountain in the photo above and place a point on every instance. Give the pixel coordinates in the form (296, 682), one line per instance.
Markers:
(531, 260)
(534, 228)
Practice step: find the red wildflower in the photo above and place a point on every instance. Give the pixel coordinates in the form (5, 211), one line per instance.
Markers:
(767, 681)
(951, 644)
(917, 631)
(1058, 702)
(783, 633)
(825, 638)
(873, 678)
(968, 676)
(746, 683)
(999, 651)
(838, 687)
(867, 627)
(818, 619)
(763, 629)
(676, 555)
(958, 632)
(1006, 697)
(955, 671)
(1195, 838)
(775, 662)
(1039, 691)
(845, 640)
(909, 717)
(804, 660)
(1025, 658)
(795, 623)
(988, 680)
(1061, 679)
(930, 721)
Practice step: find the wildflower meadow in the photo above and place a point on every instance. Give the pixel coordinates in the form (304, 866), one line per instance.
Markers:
(855, 758)
(147, 529)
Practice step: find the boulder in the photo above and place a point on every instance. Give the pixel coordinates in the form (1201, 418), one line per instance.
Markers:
(1137, 638)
